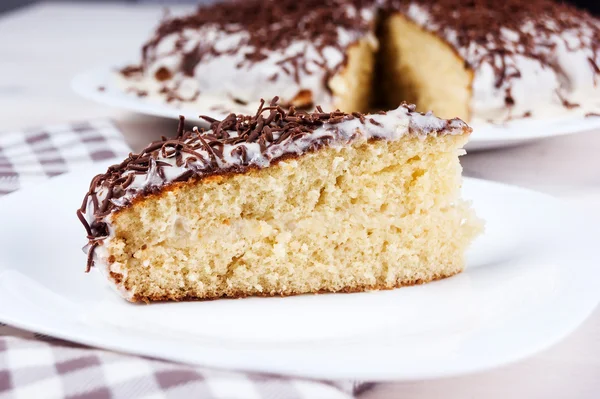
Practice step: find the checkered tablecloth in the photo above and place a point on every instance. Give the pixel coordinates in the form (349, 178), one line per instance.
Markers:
(36, 366)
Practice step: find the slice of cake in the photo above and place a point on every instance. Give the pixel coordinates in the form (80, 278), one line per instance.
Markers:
(283, 203)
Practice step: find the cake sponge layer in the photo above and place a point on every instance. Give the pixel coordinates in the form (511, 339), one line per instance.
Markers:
(351, 87)
(374, 215)
(420, 67)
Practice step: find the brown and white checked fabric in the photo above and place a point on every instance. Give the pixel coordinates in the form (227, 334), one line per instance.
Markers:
(32, 156)
(36, 366)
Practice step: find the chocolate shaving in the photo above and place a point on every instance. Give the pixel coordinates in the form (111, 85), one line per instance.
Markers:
(90, 256)
(374, 122)
(239, 101)
(566, 103)
(138, 92)
(180, 126)
(131, 70)
(84, 222)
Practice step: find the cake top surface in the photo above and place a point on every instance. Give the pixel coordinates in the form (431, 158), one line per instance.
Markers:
(242, 142)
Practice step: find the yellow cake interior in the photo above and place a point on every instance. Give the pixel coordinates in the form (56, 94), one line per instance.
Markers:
(373, 215)
(351, 87)
(420, 68)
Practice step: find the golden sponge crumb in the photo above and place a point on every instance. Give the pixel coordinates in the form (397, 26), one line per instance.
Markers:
(351, 87)
(420, 68)
(374, 215)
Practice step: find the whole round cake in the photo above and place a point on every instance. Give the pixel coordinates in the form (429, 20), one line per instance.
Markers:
(480, 60)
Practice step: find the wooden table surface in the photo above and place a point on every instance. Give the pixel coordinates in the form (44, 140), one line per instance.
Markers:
(43, 47)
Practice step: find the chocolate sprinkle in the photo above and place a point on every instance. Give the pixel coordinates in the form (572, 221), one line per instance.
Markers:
(131, 70)
(138, 92)
(374, 122)
(566, 103)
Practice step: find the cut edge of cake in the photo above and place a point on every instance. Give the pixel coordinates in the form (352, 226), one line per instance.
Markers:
(351, 86)
(421, 68)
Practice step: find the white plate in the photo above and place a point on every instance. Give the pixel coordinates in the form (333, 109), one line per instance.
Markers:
(485, 136)
(531, 279)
